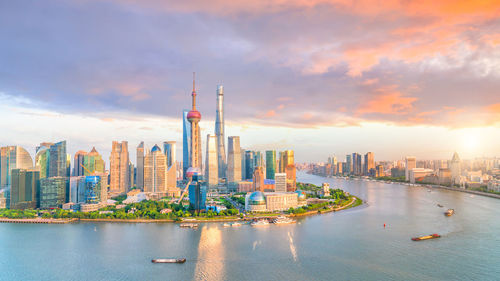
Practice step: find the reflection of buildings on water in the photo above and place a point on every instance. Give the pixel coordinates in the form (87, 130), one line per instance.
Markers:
(210, 262)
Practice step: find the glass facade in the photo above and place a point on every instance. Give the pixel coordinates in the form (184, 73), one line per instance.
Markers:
(92, 189)
(270, 164)
(197, 194)
(186, 141)
(24, 190)
(53, 192)
(249, 164)
(58, 164)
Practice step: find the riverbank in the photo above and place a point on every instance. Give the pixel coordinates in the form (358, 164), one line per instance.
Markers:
(335, 209)
(480, 193)
(38, 221)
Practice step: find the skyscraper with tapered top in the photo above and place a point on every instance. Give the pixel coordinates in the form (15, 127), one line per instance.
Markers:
(140, 166)
(194, 117)
(219, 132)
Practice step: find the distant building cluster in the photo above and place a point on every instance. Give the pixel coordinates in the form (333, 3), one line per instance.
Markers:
(478, 173)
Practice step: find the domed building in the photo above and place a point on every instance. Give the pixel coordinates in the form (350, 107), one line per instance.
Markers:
(255, 202)
(301, 198)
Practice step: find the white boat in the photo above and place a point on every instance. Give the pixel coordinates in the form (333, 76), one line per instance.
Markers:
(226, 224)
(260, 223)
(236, 224)
(189, 225)
(283, 220)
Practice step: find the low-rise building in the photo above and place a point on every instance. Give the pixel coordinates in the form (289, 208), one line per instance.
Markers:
(89, 207)
(418, 174)
(270, 201)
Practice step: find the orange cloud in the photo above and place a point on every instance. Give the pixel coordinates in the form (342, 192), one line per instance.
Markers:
(387, 102)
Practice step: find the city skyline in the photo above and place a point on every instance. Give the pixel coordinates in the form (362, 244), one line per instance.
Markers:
(330, 91)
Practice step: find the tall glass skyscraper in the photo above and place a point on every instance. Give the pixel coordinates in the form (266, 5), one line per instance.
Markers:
(211, 165)
(219, 132)
(58, 160)
(249, 164)
(186, 142)
(13, 157)
(270, 164)
(233, 162)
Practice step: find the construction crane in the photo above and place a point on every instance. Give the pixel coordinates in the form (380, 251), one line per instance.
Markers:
(88, 171)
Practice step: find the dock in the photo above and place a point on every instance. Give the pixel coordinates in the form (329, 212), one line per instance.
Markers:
(38, 221)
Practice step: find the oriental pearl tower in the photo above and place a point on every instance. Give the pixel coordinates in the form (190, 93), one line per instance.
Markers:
(194, 117)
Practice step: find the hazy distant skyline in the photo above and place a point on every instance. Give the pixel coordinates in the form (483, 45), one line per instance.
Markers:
(320, 77)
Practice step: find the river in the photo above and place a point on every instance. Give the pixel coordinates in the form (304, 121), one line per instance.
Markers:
(347, 245)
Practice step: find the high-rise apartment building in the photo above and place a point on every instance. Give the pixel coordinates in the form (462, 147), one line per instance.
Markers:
(219, 132)
(411, 163)
(25, 189)
(233, 162)
(211, 165)
(119, 168)
(369, 163)
(140, 166)
(270, 164)
(13, 157)
(194, 117)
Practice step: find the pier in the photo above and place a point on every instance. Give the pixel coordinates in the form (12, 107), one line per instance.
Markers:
(38, 220)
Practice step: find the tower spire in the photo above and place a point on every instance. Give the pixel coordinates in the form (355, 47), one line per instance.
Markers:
(193, 94)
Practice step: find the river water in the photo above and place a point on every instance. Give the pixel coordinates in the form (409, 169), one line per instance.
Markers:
(348, 245)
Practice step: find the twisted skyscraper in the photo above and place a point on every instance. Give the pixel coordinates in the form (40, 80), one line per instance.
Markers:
(219, 132)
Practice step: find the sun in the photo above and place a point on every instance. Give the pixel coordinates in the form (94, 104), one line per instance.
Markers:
(471, 142)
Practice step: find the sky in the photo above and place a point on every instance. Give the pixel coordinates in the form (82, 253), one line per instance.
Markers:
(320, 77)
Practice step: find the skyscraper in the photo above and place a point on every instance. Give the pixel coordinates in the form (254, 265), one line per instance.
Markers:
(233, 162)
(24, 192)
(194, 117)
(348, 164)
(286, 158)
(140, 166)
(119, 168)
(13, 157)
(197, 193)
(155, 171)
(369, 163)
(78, 163)
(42, 159)
(93, 163)
(219, 132)
(280, 182)
(455, 169)
(258, 179)
(58, 160)
(411, 163)
(356, 164)
(243, 164)
(169, 149)
(53, 192)
(291, 180)
(211, 165)
(249, 164)
(270, 164)
(186, 142)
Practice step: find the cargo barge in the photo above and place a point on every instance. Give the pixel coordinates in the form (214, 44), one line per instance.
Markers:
(168, 261)
(432, 236)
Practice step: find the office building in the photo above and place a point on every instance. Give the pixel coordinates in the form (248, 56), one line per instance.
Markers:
(78, 163)
(77, 189)
(348, 164)
(270, 164)
(233, 162)
(356, 164)
(13, 157)
(186, 142)
(139, 179)
(211, 164)
(219, 132)
(58, 160)
(270, 201)
(455, 169)
(286, 158)
(197, 193)
(155, 171)
(95, 190)
(243, 164)
(249, 164)
(291, 179)
(411, 163)
(280, 182)
(119, 168)
(169, 148)
(24, 192)
(369, 163)
(93, 163)
(53, 192)
(258, 179)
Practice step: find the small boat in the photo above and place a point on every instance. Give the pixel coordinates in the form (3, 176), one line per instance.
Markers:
(449, 212)
(236, 224)
(440, 206)
(432, 236)
(168, 261)
(226, 224)
(283, 220)
(260, 223)
(189, 225)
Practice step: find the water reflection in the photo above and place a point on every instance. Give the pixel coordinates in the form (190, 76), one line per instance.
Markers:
(210, 262)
